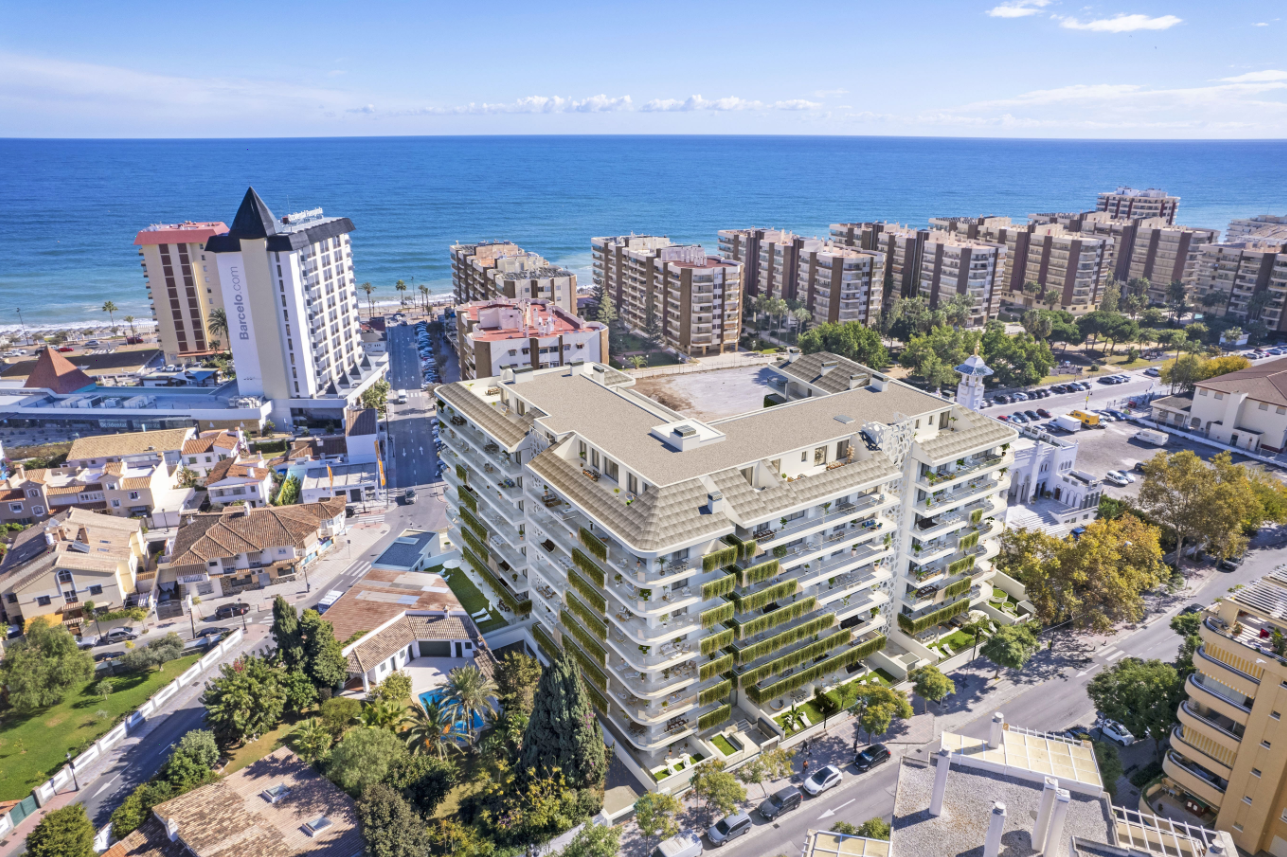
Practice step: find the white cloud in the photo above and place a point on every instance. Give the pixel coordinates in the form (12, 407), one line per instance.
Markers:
(795, 104)
(1257, 77)
(1122, 23)
(828, 93)
(537, 104)
(1018, 8)
(369, 108)
(696, 102)
(1261, 24)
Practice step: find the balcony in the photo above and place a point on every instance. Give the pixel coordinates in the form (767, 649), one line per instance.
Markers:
(1195, 779)
(942, 500)
(1215, 759)
(1223, 730)
(952, 475)
(1225, 674)
(1222, 700)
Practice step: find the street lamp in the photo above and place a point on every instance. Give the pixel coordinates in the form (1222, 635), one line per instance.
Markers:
(75, 782)
(23, 324)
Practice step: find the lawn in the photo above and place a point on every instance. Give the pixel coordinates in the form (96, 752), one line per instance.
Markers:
(655, 358)
(33, 747)
(252, 752)
(466, 784)
(722, 744)
(958, 641)
(471, 598)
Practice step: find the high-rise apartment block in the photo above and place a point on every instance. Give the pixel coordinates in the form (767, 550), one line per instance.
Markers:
(292, 307)
(492, 336)
(501, 270)
(701, 571)
(769, 259)
(901, 245)
(1267, 227)
(183, 286)
(1131, 203)
(954, 265)
(1239, 271)
(1229, 750)
(693, 301)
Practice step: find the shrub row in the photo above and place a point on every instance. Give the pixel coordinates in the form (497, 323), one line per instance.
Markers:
(714, 642)
(596, 625)
(777, 617)
(719, 691)
(793, 659)
(786, 638)
(745, 549)
(594, 544)
(473, 523)
(800, 679)
(720, 557)
(961, 565)
(915, 626)
(976, 516)
(467, 498)
(762, 571)
(768, 595)
(520, 608)
(462, 474)
(969, 541)
(722, 586)
(717, 615)
(583, 639)
(588, 592)
(715, 667)
(588, 565)
(597, 699)
(715, 718)
(477, 546)
(957, 588)
(592, 671)
(545, 640)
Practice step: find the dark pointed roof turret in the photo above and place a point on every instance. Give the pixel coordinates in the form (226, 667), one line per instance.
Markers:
(253, 219)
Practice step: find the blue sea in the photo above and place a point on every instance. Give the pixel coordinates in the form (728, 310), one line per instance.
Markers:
(69, 209)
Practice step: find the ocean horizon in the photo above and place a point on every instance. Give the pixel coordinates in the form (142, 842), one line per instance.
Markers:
(73, 207)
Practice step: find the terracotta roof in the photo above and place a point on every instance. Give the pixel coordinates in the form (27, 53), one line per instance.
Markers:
(216, 535)
(208, 440)
(56, 373)
(231, 468)
(187, 232)
(133, 443)
(383, 594)
(1264, 383)
(106, 536)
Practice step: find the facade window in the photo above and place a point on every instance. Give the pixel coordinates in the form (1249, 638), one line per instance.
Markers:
(11, 598)
(820, 455)
(116, 504)
(70, 597)
(1265, 744)
(610, 468)
(37, 510)
(1219, 396)
(1255, 772)
(1202, 392)
(33, 493)
(65, 576)
(1264, 407)
(1275, 715)
(43, 600)
(16, 508)
(632, 483)
(1246, 799)
(96, 590)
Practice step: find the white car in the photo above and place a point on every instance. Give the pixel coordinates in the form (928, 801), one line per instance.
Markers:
(822, 779)
(1117, 732)
(1117, 477)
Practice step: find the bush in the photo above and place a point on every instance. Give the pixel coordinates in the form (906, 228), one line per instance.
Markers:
(65, 832)
(339, 713)
(424, 781)
(363, 758)
(1146, 774)
(154, 654)
(396, 687)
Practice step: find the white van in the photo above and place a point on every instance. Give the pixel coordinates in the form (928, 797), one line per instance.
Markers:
(400, 397)
(1153, 436)
(329, 599)
(686, 844)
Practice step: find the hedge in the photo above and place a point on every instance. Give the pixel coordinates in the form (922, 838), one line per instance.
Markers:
(968, 542)
(745, 549)
(462, 474)
(800, 679)
(713, 668)
(717, 558)
(473, 541)
(545, 641)
(756, 600)
(793, 659)
(763, 571)
(597, 699)
(721, 586)
(588, 592)
(584, 640)
(717, 615)
(786, 638)
(957, 588)
(715, 642)
(467, 498)
(976, 516)
(715, 718)
(961, 565)
(777, 617)
(592, 671)
(520, 608)
(915, 626)
(711, 694)
(594, 544)
(587, 565)
(596, 625)
(473, 523)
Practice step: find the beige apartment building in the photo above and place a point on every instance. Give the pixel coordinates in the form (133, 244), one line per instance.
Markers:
(840, 284)
(622, 267)
(182, 286)
(1267, 227)
(1131, 203)
(954, 265)
(901, 245)
(769, 259)
(501, 269)
(505, 334)
(1229, 751)
(1241, 269)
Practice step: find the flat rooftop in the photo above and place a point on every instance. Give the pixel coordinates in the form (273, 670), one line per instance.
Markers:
(407, 550)
(341, 475)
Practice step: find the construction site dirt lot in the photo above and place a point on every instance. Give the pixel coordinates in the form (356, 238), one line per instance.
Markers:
(710, 395)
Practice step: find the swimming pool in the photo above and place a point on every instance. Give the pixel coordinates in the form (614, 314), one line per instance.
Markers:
(439, 696)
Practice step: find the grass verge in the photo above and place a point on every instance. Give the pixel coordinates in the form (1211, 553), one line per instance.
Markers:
(471, 598)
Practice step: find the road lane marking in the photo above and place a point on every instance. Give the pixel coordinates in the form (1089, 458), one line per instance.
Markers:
(833, 810)
(105, 785)
(1091, 670)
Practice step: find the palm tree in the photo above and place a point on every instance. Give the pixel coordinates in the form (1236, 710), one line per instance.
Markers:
(424, 292)
(218, 322)
(801, 316)
(383, 714)
(638, 361)
(402, 288)
(434, 731)
(369, 290)
(129, 319)
(312, 739)
(470, 692)
(110, 308)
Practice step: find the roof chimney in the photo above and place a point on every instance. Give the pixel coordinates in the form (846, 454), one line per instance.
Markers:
(828, 365)
(998, 729)
(715, 502)
(1040, 829)
(996, 826)
(940, 782)
(1055, 838)
(172, 829)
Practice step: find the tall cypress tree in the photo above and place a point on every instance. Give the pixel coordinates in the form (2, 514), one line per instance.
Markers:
(562, 731)
(286, 634)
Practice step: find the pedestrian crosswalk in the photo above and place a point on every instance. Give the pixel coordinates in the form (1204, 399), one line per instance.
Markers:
(357, 569)
(1110, 654)
(369, 518)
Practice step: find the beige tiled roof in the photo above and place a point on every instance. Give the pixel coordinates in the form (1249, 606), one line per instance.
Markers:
(972, 432)
(215, 535)
(107, 537)
(1266, 382)
(510, 431)
(208, 440)
(230, 468)
(135, 443)
(751, 504)
(808, 368)
(385, 593)
(379, 647)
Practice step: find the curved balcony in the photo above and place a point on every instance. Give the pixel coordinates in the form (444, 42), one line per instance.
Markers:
(1214, 726)
(1190, 750)
(943, 501)
(952, 478)
(1193, 778)
(815, 517)
(1225, 674)
(656, 708)
(1218, 699)
(676, 728)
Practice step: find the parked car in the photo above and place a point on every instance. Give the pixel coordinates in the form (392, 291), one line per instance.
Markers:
(686, 844)
(118, 635)
(1041, 394)
(1121, 415)
(1021, 397)
(1152, 371)
(409, 496)
(65, 348)
(1003, 418)
(1045, 414)
(1002, 399)
(824, 778)
(1018, 418)
(227, 611)
(1117, 477)
(781, 802)
(729, 828)
(1115, 731)
(1229, 564)
(1031, 415)
(210, 632)
(871, 757)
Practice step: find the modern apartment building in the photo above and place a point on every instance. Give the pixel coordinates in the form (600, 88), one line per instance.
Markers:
(516, 334)
(1164, 254)
(840, 284)
(693, 299)
(292, 308)
(501, 270)
(769, 259)
(182, 286)
(902, 247)
(701, 571)
(1239, 270)
(970, 227)
(1229, 751)
(1263, 227)
(1069, 268)
(954, 265)
(1132, 203)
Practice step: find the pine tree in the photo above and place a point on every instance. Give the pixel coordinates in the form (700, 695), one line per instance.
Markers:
(607, 310)
(563, 732)
(323, 656)
(286, 634)
(65, 832)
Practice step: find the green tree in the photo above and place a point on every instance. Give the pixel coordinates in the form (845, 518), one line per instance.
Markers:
(607, 310)
(1141, 695)
(1110, 296)
(104, 688)
(289, 492)
(878, 706)
(286, 634)
(594, 840)
(192, 761)
(376, 396)
(905, 318)
(1017, 361)
(1179, 491)
(111, 308)
(717, 788)
(872, 828)
(1010, 647)
(363, 758)
(401, 288)
(1177, 298)
(218, 323)
(396, 686)
(563, 733)
(517, 676)
(932, 357)
(339, 713)
(154, 654)
(1182, 373)
(382, 714)
(1110, 765)
(65, 832)
(802, 317)
(311, 739)
(38, 670)
(931, 684)
(245, 700)
(469, 694)
(390, 826)
(298, 691)
(368, 290)
(425, 781)
(851, 339)
(137, 807)
(435, 730)
(323, 655)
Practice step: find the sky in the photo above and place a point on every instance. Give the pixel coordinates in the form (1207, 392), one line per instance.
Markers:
(1123, 69)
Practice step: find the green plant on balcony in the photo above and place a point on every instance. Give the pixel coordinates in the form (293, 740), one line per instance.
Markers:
(780, 616)
(643, 650)
(594, 544)
(718, 692)
(719, 557)
(929, 620)
(790, 637)
(826, 507)
(960, 462)
(765, 596)
(710, 669)
(587, 566)
(716, 615)
(783, 521)
(719, 587)
(800, 679)
(779, 552)
(591, 595)
(715, 718)
(1004, 448)
(714, 642)
(645, 594)
(793, 659)
(932, 477)
(955, 589)
(760, 572)
(462, 474)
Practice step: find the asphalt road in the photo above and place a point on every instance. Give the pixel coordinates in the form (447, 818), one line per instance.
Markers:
(413, 458)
